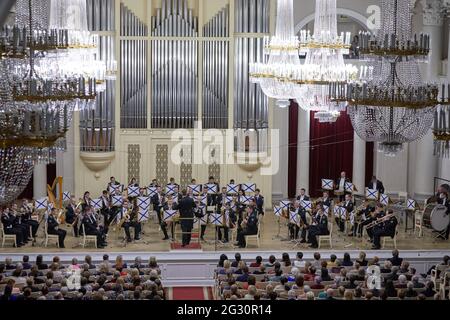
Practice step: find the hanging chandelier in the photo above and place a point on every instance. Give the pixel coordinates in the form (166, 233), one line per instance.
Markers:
(441, 127)
(35, 108)
(283, 57)
(395, 107)
(324, 64)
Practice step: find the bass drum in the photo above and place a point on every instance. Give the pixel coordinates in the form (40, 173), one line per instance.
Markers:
(435, 217)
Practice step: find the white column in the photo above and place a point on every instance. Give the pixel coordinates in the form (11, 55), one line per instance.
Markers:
(426, 162)
(303, 150)
(39, 181)
(280, 179)
(444, 163)
(359, 164)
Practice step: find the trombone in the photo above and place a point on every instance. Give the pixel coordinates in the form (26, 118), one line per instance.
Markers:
(380, 221)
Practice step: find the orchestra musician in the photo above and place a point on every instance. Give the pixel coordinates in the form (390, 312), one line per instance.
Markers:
(319, 226)
(86, 201)
(376, 184)
(212, 180)
(133, 183)
(348, 205)
(200, 213)
(294, 229)
(168, 205)
(443, 200)
(340, 185)
(250, 226)
(72, 215)
(20, 223)
(186, 207)
(158, 203)
(92, 228)
(302, 195)
(112, 182)
(154, 183)
(115, 209)
(173, 183)
(259, 201)
(221, 199)
(326, 200)
(28, 219)
(9, 227)
(385, 229)
(132, 222)
(375, 214)
(53, 228)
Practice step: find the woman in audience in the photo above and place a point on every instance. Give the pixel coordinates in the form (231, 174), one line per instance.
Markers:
(153, 264)
(310, 295)
(332, 262)
(402, 282)
(358, 293)
(299, 262)
(223, 257)
(240, 267)
(316, 263)
(226, 267)
(311, 274)
(120, 264)
(294, 273)
(286, 260)
(362, 259)
(299, 283)
(348, 295)
(271, 261)
(270, 293)
(387, 267)
(283, 285)
(325, 275)
(257, 263)
(347, 261)
(416, 282)
(317, 284)
(40, 263)
(261, 270)
(237, 260)
(276, 268)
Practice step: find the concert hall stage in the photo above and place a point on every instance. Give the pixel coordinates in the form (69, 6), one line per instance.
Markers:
(151, 242)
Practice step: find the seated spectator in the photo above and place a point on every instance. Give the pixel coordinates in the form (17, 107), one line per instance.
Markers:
(347, 261)
(330, 294)
(26, 263)
(292, 295)
(396, 260)
(325, 275)
(351, 284)
(261, 270)
(226, 267)
(270, 293)
(348, 295)
(282, 286)
(244, 275)
(257, 263)
(277, 276)
(299, 262)
(402, 282)
(362, 261)
(235, 291)
(294, 273)
(389, 289)
(88, 261)
(332, 263)
(410, 292)
(416, 282)
(369, 295)
(237, 259)
(9, 265)
(429, 290)
(153, 264)
(251, 280)
(316, 263)
(222, 258)
(240, 267)
(376, 261)
(251, 293)
(317, 284)
(286, 260)
(310, 296)
(306, 290)
(357, 293)
(39, 263)
(276, 267)
(404, 267)
(271, 261)
(311, 274)
(299, 282)
(387, 267)
(137, 263)
(401, 294)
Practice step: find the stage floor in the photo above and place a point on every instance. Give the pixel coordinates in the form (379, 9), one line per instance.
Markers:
(151, 241)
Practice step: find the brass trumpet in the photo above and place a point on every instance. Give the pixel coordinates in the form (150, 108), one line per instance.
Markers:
(380, 221)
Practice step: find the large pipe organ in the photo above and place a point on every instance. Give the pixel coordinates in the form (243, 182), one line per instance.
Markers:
(182, 64)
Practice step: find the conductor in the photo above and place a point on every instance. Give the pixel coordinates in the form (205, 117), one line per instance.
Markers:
(186, 208)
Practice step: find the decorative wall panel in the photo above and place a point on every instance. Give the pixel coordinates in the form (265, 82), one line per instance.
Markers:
(134, 162)
(162, 163)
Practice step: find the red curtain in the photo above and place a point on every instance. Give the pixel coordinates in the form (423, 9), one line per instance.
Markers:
(293, 145)
(331, 151)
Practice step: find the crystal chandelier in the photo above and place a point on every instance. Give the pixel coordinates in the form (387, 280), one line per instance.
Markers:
(395, 107)
(17, 168)
(441, 127)
(35, 109)
(324, 64)
(283, 57)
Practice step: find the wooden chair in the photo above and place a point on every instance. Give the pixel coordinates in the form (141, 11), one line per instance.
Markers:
(7, 237)
(87, 238)
(326, 238)
(52, 238)
(254, 237)
(393, 240)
